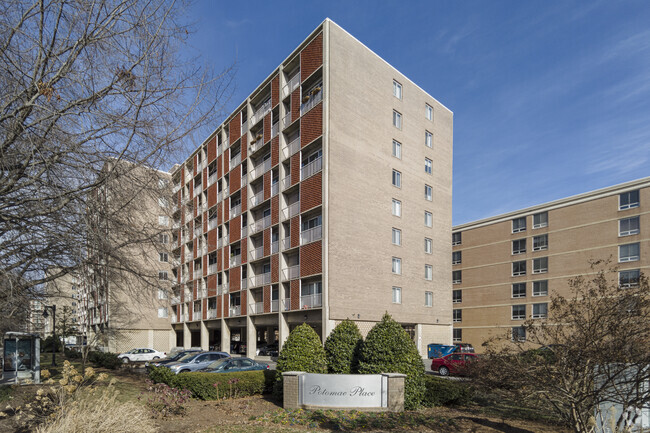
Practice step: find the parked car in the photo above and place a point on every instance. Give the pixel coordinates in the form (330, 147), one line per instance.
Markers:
(230, 365)
(463, 348)
(141, 354)
(178, 356)
(268, 350)
(196, 361)
(452, 364)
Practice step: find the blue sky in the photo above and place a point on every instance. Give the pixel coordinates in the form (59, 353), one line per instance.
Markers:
(550, 98)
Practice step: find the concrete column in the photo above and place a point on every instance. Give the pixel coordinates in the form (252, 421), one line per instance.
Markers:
(187, 336)
(270, 334)
(395, 391)
(283, 330)
(205, 337)
(290, 392)
(251, 338)
(225, 336)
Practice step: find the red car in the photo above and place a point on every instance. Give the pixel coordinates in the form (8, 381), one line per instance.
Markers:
(452, 363)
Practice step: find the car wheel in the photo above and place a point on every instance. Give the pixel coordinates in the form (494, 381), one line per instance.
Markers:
(444, 371)
(155, 358)
(126, 360)
(184, 371)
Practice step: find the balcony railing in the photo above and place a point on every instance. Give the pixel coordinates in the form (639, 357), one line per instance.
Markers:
(219, 196)
(274, 247)
(220, 242)
(219, 149)
(261, 112)
(212, 223)
(274, 188)
(212, 269)
(212, 313)
(261, 279)
(286, 304)
(234, 211)
(257, 198)
(197, 189)
(244, 180)
(176, 300)
(275, 128)
(311, 301)
(235, 161)
(257, 308)
(311, 169)
(256, 145)
(244, 232)
(291, 85)
(212, 179)
(286, 120)
(311, 103)
(244, 284)
(204, 292)
(225, 287)
(198, 232)
(292, 210)
(261, 224)
(311, 235)
(260, 169)
(286, 243)
(219, 290)
(235, 260)
(274, 305)
(174, 319)
(291, 273)
(244, 127)
(257, 253)
(235, 310)
(176, 188)
(198, 271)
(286, 182)
(291, 148)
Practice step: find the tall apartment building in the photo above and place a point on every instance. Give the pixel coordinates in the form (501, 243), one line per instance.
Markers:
(326, 195)
(505, 267)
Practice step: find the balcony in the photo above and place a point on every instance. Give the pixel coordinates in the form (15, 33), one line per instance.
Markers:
(261, 224)
(260, 169)
(244, 127)
(186, 317)
(257, 198)
(219, 196)
(311, 235)
(244, 180)
(261, 279)
(235, 310)
(275, 129)
(235, 260)
(261, 112)
(311, 169)
(286, 243)
(176, 188)
(234, 211)
(286, 120)
(197, 190)
(257, 308)
(212, 223)
(291, 210)
(176, 300)
(274, 247)
(204, 292)
(220, 242)
(274, 189)
(212, 269)
(235, 161)
(286, 182)
(212, 179)
(274, 305)
(198, 271)
(244, 284)
(256, 145)
(198, 232)
(311, 103)
(257, 253)
(291, 85)
(212, 313)
(219, 150)
(174, 319)
(244, 232)
(291, 273)
(291, 148)
(286, 304)
(311, 301)
(220, 290)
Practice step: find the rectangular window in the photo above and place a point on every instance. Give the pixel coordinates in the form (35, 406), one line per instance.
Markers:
(519, 225)
(397, 90)
(428, 192)
(457, 277)
(518, 333)
(428, 219)
(456, 257)
(163, 238)
(540, 266)
(628, 200)
(163, 220)
(628, 252)
(540, 288)
(428, 272)
(397, 208)
(397, 265)
(540, 220)
(519, 290)
(397, 179)
(456, 238)
(458, 335)
(540, 243)
(428, 139)
(397, 119)
(428, 111)
(457, 296)
(428, 245)
(519, 246)
(162, 294)
(163, 257)
(428, 166)
(397, 295)
(162, 312)
(428, 299)
(397, 149)
(519, 268)
(397, 236)
(540, 311)
(629, 278)
(628, 226)
(519, 312)
(163, 275)
(458, 316)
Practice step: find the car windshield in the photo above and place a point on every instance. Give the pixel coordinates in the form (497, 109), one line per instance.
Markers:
(218, 364)
(181, 356)
(188, 357)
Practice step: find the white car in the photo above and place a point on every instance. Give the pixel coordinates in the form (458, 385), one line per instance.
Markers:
(144, 354)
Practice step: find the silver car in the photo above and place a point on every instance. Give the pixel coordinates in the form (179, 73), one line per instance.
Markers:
(196, 362)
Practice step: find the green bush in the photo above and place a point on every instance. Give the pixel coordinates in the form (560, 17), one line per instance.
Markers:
(445, 392)
(46, 345)
(104, 359)
(214, 386)
(161, 375)
(303, 351)
(389, 349)
(342, 348)
(71, 354)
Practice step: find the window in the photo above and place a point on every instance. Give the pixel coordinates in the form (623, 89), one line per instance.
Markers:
(428, 192)
(540, 311)
(458, 335)
(519, 312)
(457, 296)
(629, 278)
(397, 265)
(540, 266)
(428, 244)
(628, 200)
(457, 277)
(628, 253)
(456, 238)
(397, 90)
(397, 236)
(397, 295)
(397, 119)
(163, 238)
(428, 272)
(518, 333)
(162, 202)
(456, 257)
(163, 220)
(458, 316)
(519, 225)
(162, 275)
(540, 220)
(428, 139)
(428, 299)
(519, 268)
(540, 243)
(397, 149)
(162, 183)
(540, 288)
(428, 111)
(162, 312)
(162, 294)
(519, 246)
(397, 208)
(428, 219)
(163, 257)
(428, 166)
(628, 226)
(397, 179)
(519, 290)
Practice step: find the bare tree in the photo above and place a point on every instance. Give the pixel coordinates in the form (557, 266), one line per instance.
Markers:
(84, 86)
(591, 352)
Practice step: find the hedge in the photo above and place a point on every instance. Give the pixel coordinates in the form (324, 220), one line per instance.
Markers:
(343, 347)
(105, 359)
(445, 392)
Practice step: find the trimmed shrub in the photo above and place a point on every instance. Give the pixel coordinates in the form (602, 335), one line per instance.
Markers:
(105, 359)
(389, 349)
(444, 392)
(46, 345)
(72, 354)
(214, 386)
(161, 375)
(303, 351)
(343, 347)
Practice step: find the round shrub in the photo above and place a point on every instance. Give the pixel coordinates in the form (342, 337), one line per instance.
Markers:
(389, 349)
(444, 392)
(303, 351)
(342, 348)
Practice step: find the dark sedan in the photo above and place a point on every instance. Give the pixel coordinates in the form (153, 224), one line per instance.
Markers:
(175, 358)
(231, 365)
